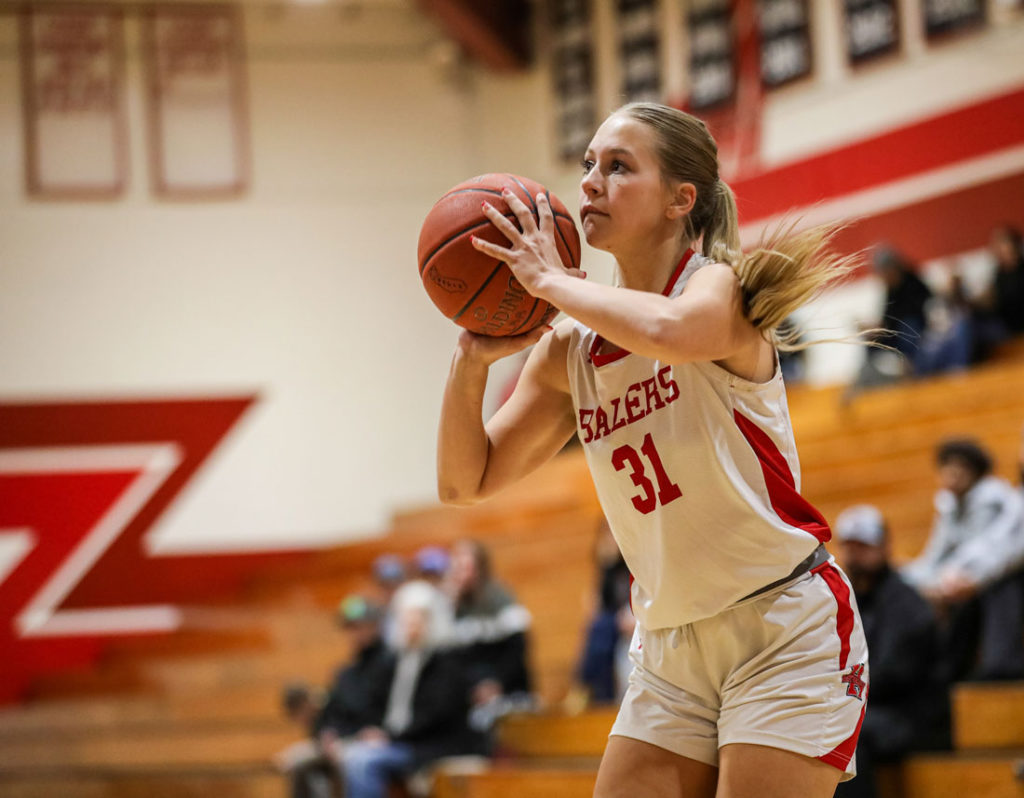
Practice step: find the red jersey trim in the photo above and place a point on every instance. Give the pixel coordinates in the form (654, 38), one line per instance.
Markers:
(603, 359)
(840, 756)
(844, 612)
(789, 505)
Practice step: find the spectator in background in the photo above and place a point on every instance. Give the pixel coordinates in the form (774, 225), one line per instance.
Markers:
(491, 630)
(970, 568)
(425, 705)
(901, 326)
(389, 573)
(999, 312)
(354, 701)
(948, 343)
(604, 665)
(908, 708)
(431, 563)
(903, 316)
(310, 772)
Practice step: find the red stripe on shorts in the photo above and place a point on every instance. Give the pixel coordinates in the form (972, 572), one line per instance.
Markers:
(844, 612)
(840, 756)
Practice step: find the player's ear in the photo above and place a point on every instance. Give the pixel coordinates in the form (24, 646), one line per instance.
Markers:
(684, 197)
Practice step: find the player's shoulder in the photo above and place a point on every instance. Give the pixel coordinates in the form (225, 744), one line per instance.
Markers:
(550, 355)
(713, 275)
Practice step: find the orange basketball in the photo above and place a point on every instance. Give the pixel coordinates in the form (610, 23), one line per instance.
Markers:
(475, 290)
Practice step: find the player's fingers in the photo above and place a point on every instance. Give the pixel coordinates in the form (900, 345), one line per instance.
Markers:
(502, 222)
(547, 218)
(501, 253)
(577, 273)
(518, 207)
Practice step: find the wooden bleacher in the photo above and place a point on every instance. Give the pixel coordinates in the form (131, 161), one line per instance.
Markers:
(198, 713)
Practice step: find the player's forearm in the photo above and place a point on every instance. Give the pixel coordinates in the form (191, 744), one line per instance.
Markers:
(645, 323)
(462, 444)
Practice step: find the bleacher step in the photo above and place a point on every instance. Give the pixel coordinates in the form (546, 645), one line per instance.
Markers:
(988, 716)
(975, 775)
(229, 782)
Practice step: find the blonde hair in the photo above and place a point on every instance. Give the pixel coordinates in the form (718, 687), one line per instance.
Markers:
(786, 271)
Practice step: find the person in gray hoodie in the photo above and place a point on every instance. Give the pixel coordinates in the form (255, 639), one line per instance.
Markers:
(971, 567)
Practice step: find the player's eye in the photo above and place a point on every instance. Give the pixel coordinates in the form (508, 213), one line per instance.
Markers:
(617, 166)
(586, 164)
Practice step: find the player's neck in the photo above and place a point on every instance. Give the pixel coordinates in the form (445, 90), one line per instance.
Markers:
(649, 268)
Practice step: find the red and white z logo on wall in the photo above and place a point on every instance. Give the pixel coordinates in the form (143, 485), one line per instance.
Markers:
(81, 486)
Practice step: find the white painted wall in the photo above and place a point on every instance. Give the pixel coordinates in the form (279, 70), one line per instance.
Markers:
(304, 290)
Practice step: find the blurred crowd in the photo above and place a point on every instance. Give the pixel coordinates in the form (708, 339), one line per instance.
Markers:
(438, 654)
(931, 330)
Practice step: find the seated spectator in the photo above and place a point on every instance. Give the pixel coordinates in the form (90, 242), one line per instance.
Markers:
(491, 633)
(353, 702)
(948, 341)
(901, 326)
(999, 312)
(425, 703)
(971, 567)
(908, 708)
(311, 774)
(431, 564)
(604, 666)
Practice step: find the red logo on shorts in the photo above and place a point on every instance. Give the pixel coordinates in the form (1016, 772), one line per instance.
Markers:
(854, 684)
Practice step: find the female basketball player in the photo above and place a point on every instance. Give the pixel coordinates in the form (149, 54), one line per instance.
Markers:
(749, 660)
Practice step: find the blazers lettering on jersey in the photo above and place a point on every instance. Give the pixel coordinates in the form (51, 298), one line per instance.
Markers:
(640, 400)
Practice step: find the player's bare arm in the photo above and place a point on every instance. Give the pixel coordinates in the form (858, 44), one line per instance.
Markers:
(475, 461)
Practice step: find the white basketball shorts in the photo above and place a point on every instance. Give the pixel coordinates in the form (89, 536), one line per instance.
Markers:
(786, 669)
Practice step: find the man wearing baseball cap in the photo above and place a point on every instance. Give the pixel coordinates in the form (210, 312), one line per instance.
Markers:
(908, 705)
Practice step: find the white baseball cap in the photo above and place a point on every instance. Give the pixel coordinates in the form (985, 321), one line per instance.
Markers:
(862, 523)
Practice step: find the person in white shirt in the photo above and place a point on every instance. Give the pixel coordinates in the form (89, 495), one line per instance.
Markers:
(970, 568)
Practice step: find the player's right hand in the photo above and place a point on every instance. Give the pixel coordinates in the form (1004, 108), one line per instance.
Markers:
(486, 349)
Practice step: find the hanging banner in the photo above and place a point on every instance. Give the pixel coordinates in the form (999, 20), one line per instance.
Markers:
(72, 77)
(572, 66)
(639, 51)
(785, 28)
(950, 16)
(872, 29)
(726, 81)
(198, 113)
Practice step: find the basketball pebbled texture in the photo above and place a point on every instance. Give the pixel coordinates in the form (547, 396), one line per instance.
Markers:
(475, 290)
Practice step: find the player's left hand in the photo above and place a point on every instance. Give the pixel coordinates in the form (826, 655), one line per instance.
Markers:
(533, 255)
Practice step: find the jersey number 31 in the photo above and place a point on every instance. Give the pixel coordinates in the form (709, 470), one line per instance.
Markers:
(649, 499)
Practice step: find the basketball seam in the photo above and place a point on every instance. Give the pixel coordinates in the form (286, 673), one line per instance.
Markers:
(561, 235)
(472, 299)
(453, 236)
(533, 204)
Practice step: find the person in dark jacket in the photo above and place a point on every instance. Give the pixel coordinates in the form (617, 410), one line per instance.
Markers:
(425, 701)
(351, 704)
(353, 700)
(908, 698)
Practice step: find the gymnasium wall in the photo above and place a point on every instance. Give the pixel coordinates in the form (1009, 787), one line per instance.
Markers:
(265, 372)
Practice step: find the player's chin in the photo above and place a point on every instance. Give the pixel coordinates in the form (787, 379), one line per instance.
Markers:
(593, 233)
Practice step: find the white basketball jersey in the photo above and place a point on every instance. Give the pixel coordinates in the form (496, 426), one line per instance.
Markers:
(697, 472)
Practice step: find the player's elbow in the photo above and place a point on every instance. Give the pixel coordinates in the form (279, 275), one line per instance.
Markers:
(453, 496)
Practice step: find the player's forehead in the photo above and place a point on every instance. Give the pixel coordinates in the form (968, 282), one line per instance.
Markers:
(621, 134)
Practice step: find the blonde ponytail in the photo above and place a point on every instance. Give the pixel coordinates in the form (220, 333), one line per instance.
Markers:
(786, 271)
